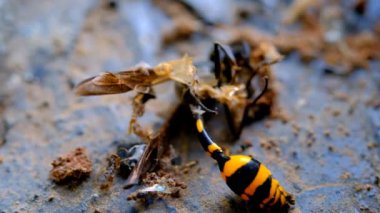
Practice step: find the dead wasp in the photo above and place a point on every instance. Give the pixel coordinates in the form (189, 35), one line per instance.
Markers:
(141, 80)
(234, 68)
(242, 64)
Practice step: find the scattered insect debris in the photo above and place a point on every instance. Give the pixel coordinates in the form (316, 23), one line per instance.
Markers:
(107, 178)
(165, 182)
(155, 149)
(71, 168)
(158, 186)
(129, 158)
(122, 163)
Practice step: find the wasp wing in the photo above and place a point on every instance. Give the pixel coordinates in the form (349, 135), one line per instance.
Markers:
(103, 84)
(114, 83)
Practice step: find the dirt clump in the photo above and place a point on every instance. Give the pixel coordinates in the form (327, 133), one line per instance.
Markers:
(73, 167)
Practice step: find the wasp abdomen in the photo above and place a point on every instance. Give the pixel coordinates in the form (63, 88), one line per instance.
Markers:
(253, 182)
(246, 176)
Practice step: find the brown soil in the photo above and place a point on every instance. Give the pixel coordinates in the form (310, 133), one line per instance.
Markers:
(73, 167)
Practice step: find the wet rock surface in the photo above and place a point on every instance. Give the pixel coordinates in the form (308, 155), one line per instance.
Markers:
(326, 152)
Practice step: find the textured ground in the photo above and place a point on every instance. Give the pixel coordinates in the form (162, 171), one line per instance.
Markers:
(327, 153)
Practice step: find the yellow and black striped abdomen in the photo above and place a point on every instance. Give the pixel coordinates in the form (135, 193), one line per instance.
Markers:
(246, 176)
(253, 182)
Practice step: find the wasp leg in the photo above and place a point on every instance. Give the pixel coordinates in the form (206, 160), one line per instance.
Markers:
(251, 104)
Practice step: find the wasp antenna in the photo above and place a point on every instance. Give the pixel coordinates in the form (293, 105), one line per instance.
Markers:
(199, 102)
(206, 108)
(207, 143)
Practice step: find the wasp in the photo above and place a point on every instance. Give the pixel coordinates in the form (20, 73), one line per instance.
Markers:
(246, 176)
(234, 69)
(141, 79)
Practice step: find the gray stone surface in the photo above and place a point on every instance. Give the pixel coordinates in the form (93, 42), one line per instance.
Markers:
(46, 47)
